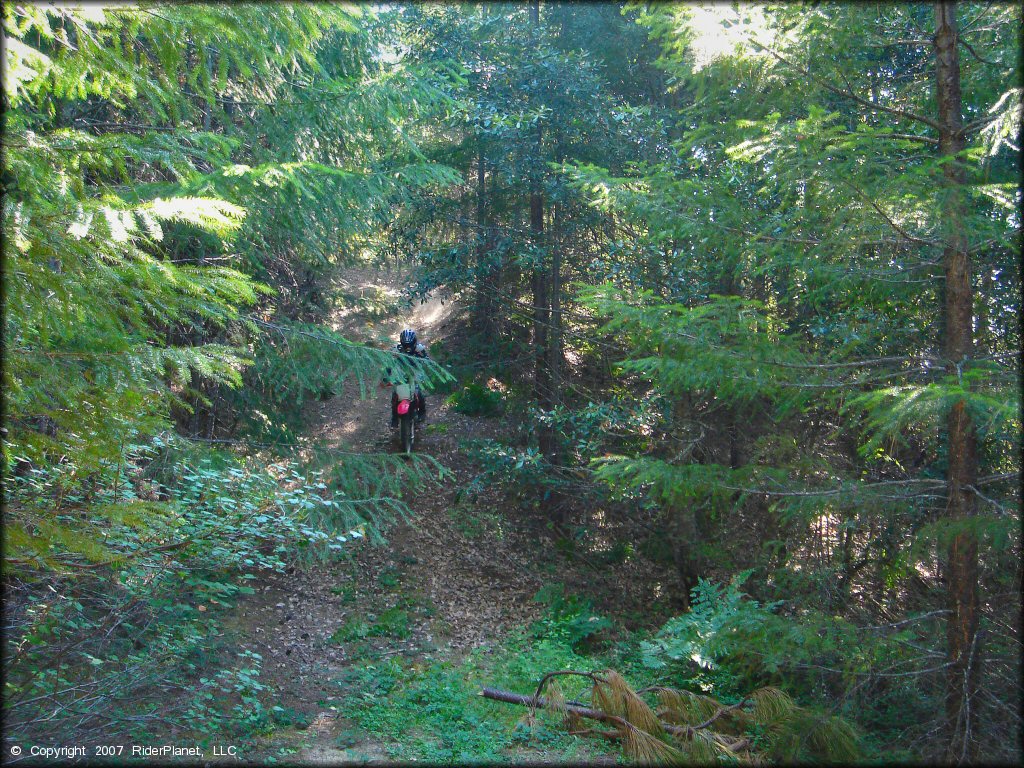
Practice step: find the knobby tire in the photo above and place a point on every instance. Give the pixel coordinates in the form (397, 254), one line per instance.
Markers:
(407, 433)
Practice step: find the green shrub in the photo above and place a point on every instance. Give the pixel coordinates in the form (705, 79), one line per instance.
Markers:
(731, 644)
(568, 618)
(419, 604)
(477, 400)
(288, 717)
(620, 552)
(347, 593)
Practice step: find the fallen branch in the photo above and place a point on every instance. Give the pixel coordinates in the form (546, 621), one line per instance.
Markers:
(540, 702)
(534, 702)
(694, 722)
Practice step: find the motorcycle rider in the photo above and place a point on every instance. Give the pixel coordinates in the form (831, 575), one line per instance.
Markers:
(408, 344)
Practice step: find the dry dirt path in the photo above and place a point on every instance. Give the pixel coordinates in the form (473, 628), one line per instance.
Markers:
(441, 592)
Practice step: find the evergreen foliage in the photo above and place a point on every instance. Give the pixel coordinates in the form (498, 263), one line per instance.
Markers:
(802, 217)
(115, 313)
(762, 264)
(167, 170)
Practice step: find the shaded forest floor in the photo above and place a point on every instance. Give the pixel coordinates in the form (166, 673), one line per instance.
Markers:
(451, 590)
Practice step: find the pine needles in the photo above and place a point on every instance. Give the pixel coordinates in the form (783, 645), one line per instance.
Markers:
(692, 728)
(612, 694)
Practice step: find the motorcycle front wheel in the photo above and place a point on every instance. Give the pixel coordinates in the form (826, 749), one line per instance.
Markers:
(408, 432)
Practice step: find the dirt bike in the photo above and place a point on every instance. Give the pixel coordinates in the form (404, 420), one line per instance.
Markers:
(407, 406)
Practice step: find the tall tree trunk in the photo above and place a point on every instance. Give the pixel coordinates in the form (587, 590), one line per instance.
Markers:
(962, 632)
(556, 352)
(542, 384)
(484, 300)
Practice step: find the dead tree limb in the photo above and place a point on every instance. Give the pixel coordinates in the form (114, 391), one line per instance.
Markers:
(534, 702)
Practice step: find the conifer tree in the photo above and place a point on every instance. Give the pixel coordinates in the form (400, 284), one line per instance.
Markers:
(518, 238)
(147, 180)
(822, 214)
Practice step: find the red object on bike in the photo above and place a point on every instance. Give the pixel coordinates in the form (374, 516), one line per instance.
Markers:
(403, 407)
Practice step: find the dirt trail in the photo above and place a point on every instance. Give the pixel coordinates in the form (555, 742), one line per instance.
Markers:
(443, 593)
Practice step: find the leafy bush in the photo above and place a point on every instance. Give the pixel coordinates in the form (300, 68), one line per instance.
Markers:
(389, 578)
(289, 717)
(477, 400)
(142, 615)
(729, 643)
(568, 618)
(524, 472)
(237, 687)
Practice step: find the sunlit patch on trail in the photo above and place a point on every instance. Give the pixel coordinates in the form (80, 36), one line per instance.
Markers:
(432, 311)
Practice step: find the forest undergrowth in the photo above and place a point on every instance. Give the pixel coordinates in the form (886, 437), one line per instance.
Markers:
(381, 653)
